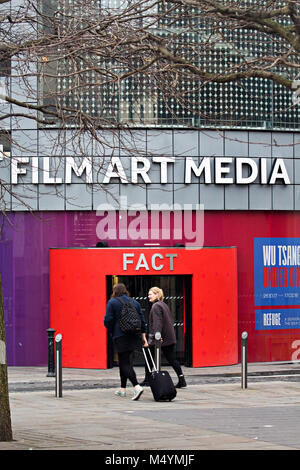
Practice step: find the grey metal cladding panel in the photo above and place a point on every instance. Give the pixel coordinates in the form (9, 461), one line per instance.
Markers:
(297, 197)
(186, 194)
(212, 196)
(26, 178)
(24, 143)
(260, 144)
(297, 171)
(22, 122)
(236, 197)
(289, 164)
(78, 197)
(260, 197)
(106, 197)
(277, 197)
(186, 143)
(211, 144)
(23, 91)
(269, 164)
(236, 143)
(179, 170)
(77, 143)
(126, 164)
(5, 111)
(24, 77)
(51, 142)
(100, 165)
(5, 202)
(134, 195)
(106, 143)
(297, 145)
(155, 172)
(230, 167)
(5, 170)
(24, 197)
(88, 162)
(133, 142)
(160, 143)
(160, 194)
(283, 197)
(282, 145)
(51, 198)
(52, 170)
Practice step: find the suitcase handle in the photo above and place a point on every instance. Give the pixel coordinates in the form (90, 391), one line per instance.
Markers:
(145, 356)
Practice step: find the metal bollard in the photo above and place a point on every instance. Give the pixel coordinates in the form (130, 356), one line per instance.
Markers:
(58, 375)
(51, 360)
(157, 349)
(244, 358)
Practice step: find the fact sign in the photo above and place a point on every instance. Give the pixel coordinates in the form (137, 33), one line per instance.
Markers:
(277, 283)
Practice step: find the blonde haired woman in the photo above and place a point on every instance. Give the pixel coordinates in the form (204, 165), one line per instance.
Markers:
(160, 320)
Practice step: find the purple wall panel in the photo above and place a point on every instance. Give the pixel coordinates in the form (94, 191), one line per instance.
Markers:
(24, 266)
(24, 269)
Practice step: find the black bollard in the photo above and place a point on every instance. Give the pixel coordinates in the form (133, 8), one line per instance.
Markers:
(51, 360)
(58, 375)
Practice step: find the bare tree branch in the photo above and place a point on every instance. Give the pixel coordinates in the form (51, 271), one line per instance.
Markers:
(77, 65)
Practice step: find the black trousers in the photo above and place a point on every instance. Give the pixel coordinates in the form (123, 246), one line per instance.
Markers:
(126, 369)
(170, 355)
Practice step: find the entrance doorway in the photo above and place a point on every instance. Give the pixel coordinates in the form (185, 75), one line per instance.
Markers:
(200, 286)
(178, 296)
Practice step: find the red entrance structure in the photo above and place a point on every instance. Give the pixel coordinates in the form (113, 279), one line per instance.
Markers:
(78, 287)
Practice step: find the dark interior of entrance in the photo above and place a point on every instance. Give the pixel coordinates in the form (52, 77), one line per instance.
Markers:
(177, 292)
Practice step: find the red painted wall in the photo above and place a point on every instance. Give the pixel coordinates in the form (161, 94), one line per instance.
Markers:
(239, 229)
(78, 299)
(233, 228)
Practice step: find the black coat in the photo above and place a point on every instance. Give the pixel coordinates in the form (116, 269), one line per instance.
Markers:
(112, 315)
(122, 341)
(160, 319)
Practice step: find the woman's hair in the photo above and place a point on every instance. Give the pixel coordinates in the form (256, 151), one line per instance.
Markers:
(159, 292)
(119, 289)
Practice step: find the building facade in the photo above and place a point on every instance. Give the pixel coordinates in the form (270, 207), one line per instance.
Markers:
(231, 182)
(189, 172)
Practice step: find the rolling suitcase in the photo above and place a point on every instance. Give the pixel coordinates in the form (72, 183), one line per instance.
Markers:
(160, 382)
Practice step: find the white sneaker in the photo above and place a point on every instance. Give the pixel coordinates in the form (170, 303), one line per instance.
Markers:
(137, 393)
(119, 393)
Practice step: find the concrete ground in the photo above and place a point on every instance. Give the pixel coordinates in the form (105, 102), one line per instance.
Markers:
(212, 413)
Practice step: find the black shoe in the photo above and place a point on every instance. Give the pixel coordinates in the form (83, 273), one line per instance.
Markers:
(181, 382)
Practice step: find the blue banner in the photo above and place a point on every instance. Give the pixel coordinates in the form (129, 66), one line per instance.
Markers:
(277, 280)
(277, 319)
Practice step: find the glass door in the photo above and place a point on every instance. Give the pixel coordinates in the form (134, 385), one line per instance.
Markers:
(177, 292)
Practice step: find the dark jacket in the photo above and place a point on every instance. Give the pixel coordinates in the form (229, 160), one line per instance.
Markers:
(112, 316)
(160, 319)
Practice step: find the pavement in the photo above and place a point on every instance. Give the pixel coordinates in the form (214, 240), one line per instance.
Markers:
(214, 412)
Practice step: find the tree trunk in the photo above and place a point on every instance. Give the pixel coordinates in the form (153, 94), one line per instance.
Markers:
(5, 420)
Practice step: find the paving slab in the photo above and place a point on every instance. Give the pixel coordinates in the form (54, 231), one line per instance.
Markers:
(265, 416)
(36, 378)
